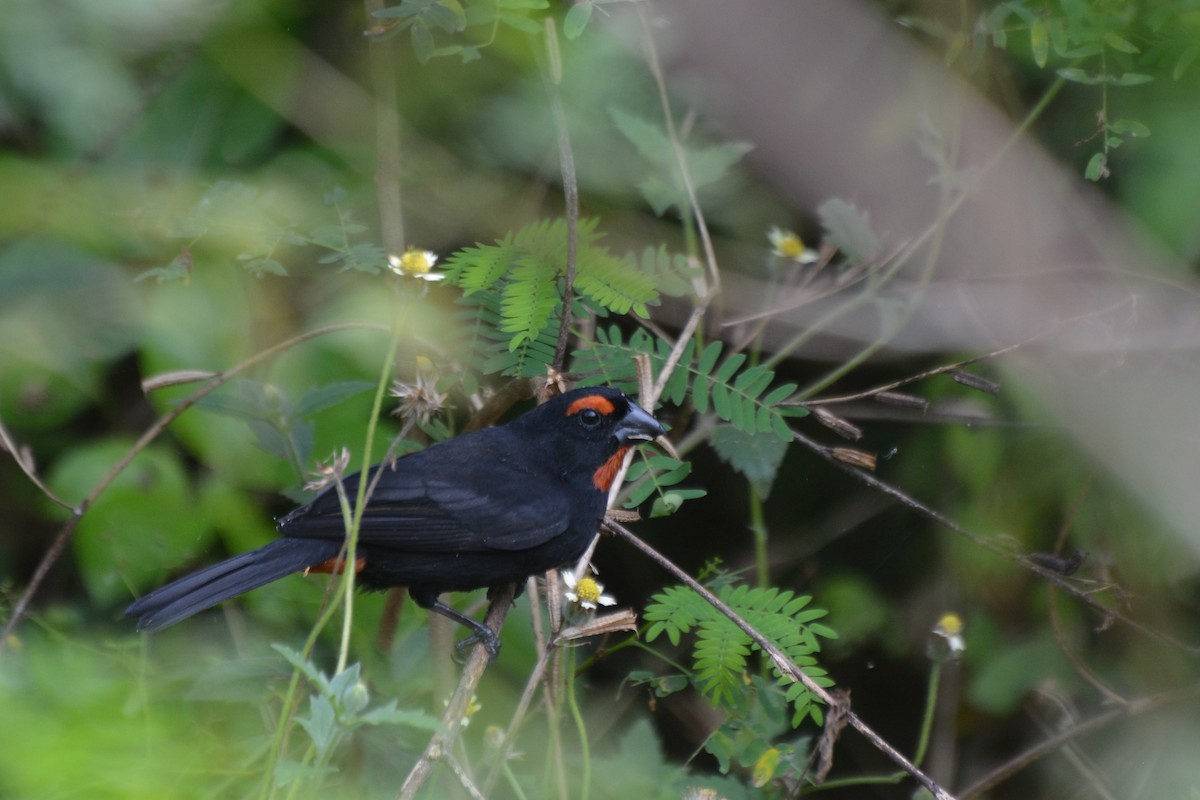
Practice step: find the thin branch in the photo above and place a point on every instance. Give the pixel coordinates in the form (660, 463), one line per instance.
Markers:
(25, 462)
(1039, 751)
(685, 175)
(780, 660)
(552, 77)
(945, 368)
(990, 544)
(441, 742)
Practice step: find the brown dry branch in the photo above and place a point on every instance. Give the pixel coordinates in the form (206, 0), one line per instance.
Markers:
(1133, 708)
(456, 709)
(780, 661)
(994, 545)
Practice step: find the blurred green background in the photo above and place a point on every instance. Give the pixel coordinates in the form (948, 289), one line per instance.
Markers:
(187, 184)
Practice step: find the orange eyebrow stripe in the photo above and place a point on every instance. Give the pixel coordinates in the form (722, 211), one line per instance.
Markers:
(595, 401)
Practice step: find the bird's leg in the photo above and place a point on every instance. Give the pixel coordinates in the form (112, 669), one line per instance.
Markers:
(481, 634)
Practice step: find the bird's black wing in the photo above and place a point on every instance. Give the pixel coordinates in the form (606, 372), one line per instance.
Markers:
(473, 496)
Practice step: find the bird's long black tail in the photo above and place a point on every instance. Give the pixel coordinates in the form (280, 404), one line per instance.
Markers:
(204, 589)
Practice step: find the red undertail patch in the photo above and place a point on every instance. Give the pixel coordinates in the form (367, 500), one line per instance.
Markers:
(334, 566)
(603, 478)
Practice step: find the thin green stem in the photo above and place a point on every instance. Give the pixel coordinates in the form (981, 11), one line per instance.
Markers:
(580, 725)
(297, 783)
(511, 780)
(360, 500)
(935, 675)
(759, 528)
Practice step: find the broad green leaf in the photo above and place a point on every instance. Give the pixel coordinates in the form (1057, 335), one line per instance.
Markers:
(849, 228)
(1120, 43)
(1039, 41)
(422, 42)
(1132, 79)
(1077, 76)
(1135, 129)
(755, 455)
(577, 20)
(1184, 62)
(139, 527)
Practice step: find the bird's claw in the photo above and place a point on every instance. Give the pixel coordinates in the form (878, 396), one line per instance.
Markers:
(487, 638)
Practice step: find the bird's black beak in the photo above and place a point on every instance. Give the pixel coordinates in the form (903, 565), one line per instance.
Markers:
(638, 426)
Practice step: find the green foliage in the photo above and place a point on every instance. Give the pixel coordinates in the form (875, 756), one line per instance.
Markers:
(756, 455)
(281, 427)
(422, 18)
(735, 395)
(706, 164)
(659, 474)
(756, 734)
(1105, 45)
(849, 228)
(337, 707)
(241, 217)
(134, 527)
(514, 287)
(672, 273)
(721, 651)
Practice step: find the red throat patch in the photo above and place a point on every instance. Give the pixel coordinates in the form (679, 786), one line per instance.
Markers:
(603, 478)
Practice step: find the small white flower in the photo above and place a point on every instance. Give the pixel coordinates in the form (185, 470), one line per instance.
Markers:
(946, 641)
(416, 264)
(586, 592)
(787, 244)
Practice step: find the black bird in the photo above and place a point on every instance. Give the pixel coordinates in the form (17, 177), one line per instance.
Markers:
(486, 508)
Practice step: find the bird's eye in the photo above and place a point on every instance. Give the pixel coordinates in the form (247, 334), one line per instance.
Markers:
(590, 418)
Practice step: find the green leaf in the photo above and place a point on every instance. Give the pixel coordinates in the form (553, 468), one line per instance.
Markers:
(708, 359)
(706, 165)
(670, 502)
(390, 714)
(780, 426)
(755, 455)
(1134, 129)
(1186, 58)
(258, 267)
(306, 667)
(1119, 43)
(731, 365)
(135, 530)
(849, 228)
(519, 22)
(1077, 76)
(330, 395)
(422, 42)
(1097, 167)
(779, 394)
(1132, 79)
(577, 20)
(1039, 41)
(321, 723)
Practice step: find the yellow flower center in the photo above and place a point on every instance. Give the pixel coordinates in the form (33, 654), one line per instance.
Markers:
(415, 262)
(790, 246)
(587, 590)
(950, 624)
